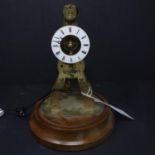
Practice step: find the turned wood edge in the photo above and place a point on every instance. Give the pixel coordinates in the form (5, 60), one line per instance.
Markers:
(87, 145)
(107, 127)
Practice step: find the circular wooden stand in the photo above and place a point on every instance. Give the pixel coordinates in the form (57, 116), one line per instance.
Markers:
(71, 133)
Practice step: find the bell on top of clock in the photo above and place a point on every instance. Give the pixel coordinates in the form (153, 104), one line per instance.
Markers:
(69, 118)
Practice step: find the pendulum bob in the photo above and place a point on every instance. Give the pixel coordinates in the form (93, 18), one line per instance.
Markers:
(67, 120)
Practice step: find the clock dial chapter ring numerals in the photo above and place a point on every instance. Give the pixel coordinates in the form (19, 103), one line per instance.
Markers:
(73, 31)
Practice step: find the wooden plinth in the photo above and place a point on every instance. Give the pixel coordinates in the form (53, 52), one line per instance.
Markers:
(73, 133)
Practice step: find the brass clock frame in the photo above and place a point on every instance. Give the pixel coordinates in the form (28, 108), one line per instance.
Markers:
(74, 132)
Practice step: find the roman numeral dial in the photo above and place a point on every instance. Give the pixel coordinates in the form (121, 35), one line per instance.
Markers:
(71, 36)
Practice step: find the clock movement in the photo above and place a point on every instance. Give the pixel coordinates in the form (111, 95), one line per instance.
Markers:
(70, 118)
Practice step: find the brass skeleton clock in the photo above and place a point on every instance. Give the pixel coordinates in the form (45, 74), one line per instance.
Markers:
(70, 118)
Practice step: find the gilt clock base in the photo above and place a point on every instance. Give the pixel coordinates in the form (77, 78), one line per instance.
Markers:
(69, 134)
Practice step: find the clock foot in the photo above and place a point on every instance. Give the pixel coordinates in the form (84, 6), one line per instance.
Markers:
(71, 133)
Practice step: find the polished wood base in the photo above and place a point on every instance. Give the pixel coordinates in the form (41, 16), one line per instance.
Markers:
(73, 133)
